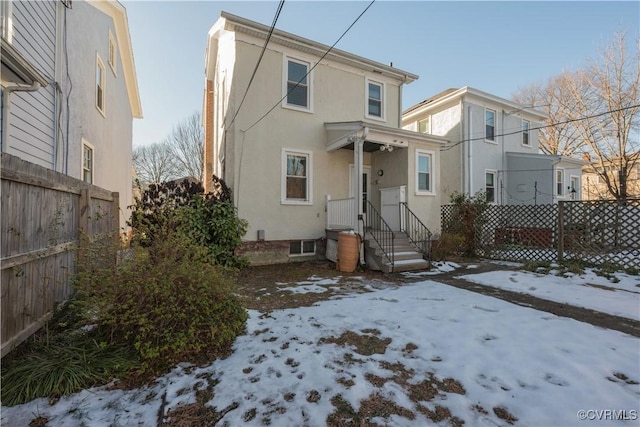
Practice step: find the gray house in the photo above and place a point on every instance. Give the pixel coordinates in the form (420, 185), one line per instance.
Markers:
(69, 90)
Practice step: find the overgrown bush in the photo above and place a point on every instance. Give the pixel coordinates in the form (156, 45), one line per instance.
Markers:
(446, 246)
(467, 219)
(209, 219)
(166, 301)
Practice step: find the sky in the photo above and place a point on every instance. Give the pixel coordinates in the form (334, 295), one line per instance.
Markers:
(498, 47)
(543, 369)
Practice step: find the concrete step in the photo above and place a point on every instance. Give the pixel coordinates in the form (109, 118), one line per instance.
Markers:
(406, 265)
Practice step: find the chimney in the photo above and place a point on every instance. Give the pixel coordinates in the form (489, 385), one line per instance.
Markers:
(586, 157)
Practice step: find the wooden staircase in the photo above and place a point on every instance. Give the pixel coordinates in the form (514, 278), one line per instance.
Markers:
(406, 257)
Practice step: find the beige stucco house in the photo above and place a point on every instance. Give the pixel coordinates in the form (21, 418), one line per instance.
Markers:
(314, 145)
(494, 148)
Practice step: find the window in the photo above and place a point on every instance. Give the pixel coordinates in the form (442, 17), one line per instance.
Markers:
(296, 177)
(525, 132)
(302, 247)
(375, 99)
(375, 93)
(87, 162)
(559, 182)
(574, 188)
(489, 125)
(112, 53)
(100, 83)
(424, 125)
(490, 186)
(424, 172)
(298, 87)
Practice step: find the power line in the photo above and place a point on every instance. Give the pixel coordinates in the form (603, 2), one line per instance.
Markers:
(482, 138)
(311, 69)
(264, 48)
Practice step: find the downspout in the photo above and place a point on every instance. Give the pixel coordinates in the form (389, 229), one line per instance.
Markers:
(469, 150)
(5, 109)
(400, 105)
(502, 169)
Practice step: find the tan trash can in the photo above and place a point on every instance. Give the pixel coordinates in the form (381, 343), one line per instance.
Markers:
(348, 252)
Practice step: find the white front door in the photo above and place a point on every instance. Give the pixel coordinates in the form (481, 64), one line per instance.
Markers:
(390, 199)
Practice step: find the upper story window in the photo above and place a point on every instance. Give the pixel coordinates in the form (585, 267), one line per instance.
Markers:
(560, 182)
(490, 186)
(298, 85)
(424, 125)
(375, 100)
(87, 162)
(525, 133)
(424, 172)
(100, 85)
(489, 125)
(112, 53)
(296, 177)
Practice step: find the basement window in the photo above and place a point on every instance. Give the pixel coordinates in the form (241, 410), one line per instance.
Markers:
(302, 247)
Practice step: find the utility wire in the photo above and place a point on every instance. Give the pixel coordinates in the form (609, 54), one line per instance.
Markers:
(264, 48)
(311, 69)
(482, 138)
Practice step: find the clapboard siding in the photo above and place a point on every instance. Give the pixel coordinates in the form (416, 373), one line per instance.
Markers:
(32, 114)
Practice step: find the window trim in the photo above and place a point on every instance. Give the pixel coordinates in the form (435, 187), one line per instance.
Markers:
(112, 56)
(283, 177)
(428, 130)
(102, 85)
(495, 180)
(285, 84)
(431, 155)
(302, 253)
(495, 118)
(383, 101)
(86, 144)
(526, 132)
(559, 185)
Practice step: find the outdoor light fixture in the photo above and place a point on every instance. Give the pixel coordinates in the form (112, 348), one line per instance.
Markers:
(386, 147)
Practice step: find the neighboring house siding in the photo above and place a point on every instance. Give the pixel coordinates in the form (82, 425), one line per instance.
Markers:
(32, 114)
(110, 134)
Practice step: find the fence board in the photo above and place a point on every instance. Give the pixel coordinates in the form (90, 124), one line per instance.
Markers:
(44, 214)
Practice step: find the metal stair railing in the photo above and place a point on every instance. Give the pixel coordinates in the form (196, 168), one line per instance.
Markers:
(416, 231)
(380, 231)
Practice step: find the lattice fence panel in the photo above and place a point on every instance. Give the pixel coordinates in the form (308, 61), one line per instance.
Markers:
(519, 233)
(602, 232)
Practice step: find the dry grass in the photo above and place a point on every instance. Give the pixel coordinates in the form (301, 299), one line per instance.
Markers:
(365, 345)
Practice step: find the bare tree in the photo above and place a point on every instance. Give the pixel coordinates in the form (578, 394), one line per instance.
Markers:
(186, 143)
(595, 110)
(607, 102)
(555, 100)
(155, 163)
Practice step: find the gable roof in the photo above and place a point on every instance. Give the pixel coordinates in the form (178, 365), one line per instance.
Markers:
(235, 23)
(452, 94)
(118, 13)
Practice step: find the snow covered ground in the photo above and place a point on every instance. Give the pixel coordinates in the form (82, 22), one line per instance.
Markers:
(426, 350)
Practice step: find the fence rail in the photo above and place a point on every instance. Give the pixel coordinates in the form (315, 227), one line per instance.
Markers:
(44, 214)
(341, 213)
(596, 232)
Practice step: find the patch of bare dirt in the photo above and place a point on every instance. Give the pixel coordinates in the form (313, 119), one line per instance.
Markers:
(365, 345)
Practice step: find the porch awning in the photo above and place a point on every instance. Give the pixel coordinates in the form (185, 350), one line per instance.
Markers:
(341, 135)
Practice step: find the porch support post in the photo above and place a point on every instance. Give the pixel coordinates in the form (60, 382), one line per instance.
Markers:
(358, 164)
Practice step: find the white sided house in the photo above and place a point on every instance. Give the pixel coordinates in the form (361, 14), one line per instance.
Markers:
(69, 90)
(316, 147)
(494, 148)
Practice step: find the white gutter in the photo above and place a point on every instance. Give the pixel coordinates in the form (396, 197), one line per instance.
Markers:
(6, 92)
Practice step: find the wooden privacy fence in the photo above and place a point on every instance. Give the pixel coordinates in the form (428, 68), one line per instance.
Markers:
(44, 215)
(595, 232)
